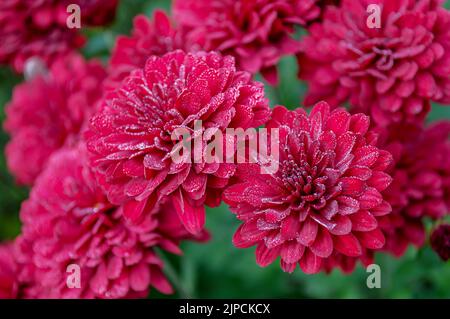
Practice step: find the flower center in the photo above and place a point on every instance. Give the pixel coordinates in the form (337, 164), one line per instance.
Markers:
(305, 185)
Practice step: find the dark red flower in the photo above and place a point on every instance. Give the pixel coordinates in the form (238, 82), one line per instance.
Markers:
(440, 241)
(257, 33)
(130, 138)
(420, 187)
(48, 112)
(325, 197)
(69, 221)
(391, 72)
(148, 37)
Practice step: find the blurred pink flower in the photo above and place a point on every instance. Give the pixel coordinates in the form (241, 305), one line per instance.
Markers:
(30, 28)
(148, 37)
(48, 112)
(420, 187)
(68, 220)
(95, 12)
(257, 32)
(324, 199)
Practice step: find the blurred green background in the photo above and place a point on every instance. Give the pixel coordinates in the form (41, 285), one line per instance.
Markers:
(217, 269)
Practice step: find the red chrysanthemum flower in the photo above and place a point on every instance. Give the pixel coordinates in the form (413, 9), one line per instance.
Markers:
(420, 187)
(325, 197)
(9, 284)
(130, 138)
(31, 28)
(440, 241)
(48, 112)
(390, 72)
(148, 37)
(257, 33)
(69, 221)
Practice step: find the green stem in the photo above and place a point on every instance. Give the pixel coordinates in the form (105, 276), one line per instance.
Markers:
(171, 273)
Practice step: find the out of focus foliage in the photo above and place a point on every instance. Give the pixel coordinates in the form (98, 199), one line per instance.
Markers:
(217, 269)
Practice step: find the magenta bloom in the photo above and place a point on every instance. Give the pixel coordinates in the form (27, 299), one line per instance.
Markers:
(31, 28)
(148, 37)
(391, 72)
(421, 182)
(325, 197)
(9, 284)
(257, 33)
(68, 220)
(440, 241)
(48, 112)
(130, 138)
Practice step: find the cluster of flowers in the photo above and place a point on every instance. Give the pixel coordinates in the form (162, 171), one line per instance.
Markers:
(107, 197)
